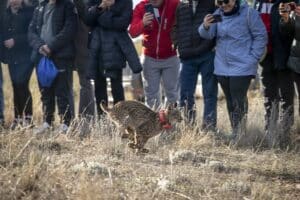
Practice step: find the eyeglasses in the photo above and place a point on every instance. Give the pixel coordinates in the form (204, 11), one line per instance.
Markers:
(220, 2)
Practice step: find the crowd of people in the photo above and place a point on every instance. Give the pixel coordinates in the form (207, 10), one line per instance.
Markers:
(222, 40)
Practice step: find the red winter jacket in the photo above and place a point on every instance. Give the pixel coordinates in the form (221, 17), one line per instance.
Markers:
(264, 7)
(157, 38)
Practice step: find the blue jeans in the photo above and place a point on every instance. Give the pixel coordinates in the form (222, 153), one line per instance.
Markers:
(188, 82)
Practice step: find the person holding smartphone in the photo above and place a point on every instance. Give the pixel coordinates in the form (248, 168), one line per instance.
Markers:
(160, 62)
(240, 42)
(290, 28)
(276, 76)
(196, 55)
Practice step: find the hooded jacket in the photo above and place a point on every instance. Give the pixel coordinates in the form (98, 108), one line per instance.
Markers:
(111, 45)
(64, 25)
(278, 44)
(15, 26)
(157, 38)
(240, 41)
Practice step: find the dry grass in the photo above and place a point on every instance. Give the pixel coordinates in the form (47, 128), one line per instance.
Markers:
(189, 165)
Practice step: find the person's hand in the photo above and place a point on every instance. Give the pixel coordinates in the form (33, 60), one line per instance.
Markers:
(105, 4)
(10, 43)
(285, 15)
(147, 19)
(102, 5)
(110, 2)
(208, 19)
(45, 50)
(41, 51)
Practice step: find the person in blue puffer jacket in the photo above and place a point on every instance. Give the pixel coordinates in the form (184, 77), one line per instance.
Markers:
(241, 39)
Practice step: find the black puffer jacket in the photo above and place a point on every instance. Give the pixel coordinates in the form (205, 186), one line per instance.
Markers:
(15, 26)
(3, 4)
(64, 26)
(280, 44)
(292, 31)
(111, 45)
(185, 32)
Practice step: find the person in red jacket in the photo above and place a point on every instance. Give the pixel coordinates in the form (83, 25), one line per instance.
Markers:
(160, 62)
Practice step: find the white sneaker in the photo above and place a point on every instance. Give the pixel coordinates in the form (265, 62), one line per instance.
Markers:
(63, 128)
(43, 128)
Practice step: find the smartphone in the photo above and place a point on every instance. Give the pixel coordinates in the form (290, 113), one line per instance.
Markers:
(217, 18)
(149, 8)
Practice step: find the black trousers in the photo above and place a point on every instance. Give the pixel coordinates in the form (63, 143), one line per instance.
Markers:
(235, 89)
(59, 92)
(86, 107)
(279, 96)
(117, 89)
(86, 100)
(20, 76)
(22, 100)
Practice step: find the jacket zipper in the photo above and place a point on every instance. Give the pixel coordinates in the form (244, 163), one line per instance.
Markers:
(159, 32)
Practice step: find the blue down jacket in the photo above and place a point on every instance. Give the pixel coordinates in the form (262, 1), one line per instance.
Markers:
(240, 41)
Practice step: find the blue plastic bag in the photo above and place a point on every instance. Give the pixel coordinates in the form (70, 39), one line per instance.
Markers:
(46, 72)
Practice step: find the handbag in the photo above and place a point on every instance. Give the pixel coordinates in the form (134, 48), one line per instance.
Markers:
(294, 64)
(46, 72)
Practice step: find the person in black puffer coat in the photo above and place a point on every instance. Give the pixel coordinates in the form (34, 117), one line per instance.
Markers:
(290, 27)
(16, 54)
(110, 47)
(197, 56)
(276, 76)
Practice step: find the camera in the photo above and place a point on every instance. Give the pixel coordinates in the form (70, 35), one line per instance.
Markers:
(217, 18)
(288, 7)
(149, 8)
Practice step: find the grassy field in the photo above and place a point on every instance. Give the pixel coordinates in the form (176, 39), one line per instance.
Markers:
(185, 164)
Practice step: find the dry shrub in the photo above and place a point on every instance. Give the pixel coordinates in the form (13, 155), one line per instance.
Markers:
(42, 167)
